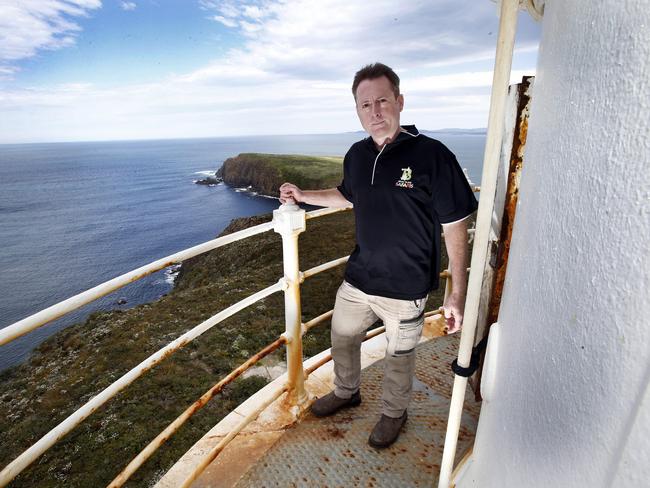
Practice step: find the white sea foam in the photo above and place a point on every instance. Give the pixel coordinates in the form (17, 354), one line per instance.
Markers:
(209, 184)
(249, 189)
(469, 180)
(170, 275)
(206, 173)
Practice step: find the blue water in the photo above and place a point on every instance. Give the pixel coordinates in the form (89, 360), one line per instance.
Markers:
(73, 215)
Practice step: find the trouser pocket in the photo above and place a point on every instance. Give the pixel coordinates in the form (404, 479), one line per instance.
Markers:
(408, 334)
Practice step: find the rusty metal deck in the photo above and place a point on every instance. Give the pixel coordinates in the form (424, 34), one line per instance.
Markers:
(333, 452)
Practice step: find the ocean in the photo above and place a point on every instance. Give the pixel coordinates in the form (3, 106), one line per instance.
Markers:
(73, 215)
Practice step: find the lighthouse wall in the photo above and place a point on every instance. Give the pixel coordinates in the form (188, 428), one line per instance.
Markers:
(570, 406)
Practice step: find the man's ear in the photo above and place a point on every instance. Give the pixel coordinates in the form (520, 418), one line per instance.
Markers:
(400, 102)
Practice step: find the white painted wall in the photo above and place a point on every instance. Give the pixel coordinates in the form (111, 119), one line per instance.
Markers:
(570, 407)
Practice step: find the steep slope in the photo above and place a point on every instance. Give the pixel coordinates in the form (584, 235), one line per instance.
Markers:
(266, 172)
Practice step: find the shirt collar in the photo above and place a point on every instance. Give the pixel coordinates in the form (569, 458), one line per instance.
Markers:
(407, 132)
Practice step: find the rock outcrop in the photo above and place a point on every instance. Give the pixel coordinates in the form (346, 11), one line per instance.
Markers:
(264, 173)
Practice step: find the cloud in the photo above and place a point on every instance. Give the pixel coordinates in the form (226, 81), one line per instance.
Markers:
(29, 26)
(233, 14)
(128, 6)
(291, 74)
(328, 39)
(253, 12)
(225, 21)
(190, 108)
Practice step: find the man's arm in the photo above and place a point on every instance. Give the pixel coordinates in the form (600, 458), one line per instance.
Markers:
(456, 244)
(321, 198)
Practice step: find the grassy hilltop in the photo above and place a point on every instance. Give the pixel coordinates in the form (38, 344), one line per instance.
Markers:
(266, 172)
(78, 362)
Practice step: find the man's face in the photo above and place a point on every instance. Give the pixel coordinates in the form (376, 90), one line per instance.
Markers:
(379, 110)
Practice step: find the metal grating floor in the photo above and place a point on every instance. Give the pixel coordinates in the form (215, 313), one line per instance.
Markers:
(333, 452)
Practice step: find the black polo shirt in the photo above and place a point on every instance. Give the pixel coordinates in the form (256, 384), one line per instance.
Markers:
(401, 195)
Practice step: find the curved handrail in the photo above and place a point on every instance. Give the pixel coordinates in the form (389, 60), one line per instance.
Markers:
(323, 267)
(171, 429)
(214, 452)
(34, 321)
(48, 440)
(221, 445)
(49, 314)
(325, 211)
(41, 318)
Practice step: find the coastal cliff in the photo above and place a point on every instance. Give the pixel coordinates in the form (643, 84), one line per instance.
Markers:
(77, 363)
(264, 173)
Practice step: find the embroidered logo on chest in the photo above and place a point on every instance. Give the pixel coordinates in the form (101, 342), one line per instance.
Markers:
(405, 180)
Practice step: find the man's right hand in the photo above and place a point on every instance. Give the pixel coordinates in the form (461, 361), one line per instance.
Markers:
(290, 193)
(331, 197)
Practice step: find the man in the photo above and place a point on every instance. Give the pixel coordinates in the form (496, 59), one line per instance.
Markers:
(403, 186)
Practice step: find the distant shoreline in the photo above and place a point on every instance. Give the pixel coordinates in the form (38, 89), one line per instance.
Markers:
(134, 185)
(454, 131)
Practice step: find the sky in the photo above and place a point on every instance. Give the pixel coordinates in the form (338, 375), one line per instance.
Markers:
(88, 70)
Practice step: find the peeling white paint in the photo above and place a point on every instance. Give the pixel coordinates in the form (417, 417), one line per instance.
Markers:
(569, 406)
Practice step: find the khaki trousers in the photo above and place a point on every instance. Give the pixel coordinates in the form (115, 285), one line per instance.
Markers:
(354, 312)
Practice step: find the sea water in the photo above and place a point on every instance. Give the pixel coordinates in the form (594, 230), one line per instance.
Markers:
(73, 215)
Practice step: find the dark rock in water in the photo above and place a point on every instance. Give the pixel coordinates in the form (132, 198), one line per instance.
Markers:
(210, 180)
(121, 301)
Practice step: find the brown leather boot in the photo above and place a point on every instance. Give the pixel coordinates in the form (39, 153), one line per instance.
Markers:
(330, 404)
(386, 431)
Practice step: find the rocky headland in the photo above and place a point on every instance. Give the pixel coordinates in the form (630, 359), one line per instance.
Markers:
(264, 173)
(78, 362)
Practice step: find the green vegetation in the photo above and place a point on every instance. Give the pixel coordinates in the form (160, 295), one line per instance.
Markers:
(266, 172)
(80, 361)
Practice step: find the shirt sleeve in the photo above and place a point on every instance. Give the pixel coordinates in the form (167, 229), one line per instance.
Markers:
(453, 198)
(346, 187)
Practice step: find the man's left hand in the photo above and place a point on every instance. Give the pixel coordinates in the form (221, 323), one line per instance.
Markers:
(454, 307)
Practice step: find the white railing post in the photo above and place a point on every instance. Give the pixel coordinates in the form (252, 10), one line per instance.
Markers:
(289, 222)
(500, 81)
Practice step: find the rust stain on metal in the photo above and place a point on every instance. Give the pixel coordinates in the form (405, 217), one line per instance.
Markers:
(166, 434)
(334, 451)
(317, 320)
(318, 364)
(243, 453)
(335, 432)
(434, 326)
(295, 374)
(512, 195)
(509, 211)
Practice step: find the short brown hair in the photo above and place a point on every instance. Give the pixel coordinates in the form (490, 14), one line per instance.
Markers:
(374, 71)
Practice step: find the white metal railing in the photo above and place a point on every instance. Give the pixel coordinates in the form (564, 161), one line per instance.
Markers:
(289, 221)
(60, 309)
(146, 453)
(49, 314)
(494, 137)
(63, 428)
